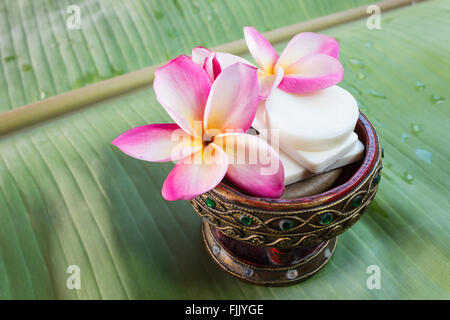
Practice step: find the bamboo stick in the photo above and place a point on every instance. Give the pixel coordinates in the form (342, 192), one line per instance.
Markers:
(70, 101)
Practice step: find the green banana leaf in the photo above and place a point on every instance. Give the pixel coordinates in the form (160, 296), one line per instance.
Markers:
(42, 58)
(68, 197)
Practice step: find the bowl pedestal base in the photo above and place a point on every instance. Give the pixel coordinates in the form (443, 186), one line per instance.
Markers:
(265, 265)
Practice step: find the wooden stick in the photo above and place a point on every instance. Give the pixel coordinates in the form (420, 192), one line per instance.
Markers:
(58, 105)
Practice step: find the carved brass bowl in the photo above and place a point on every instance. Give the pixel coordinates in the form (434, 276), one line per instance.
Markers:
(283, 241)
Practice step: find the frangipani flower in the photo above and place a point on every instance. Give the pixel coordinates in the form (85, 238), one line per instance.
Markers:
(215, 62)
(211, 119)
(308, 63)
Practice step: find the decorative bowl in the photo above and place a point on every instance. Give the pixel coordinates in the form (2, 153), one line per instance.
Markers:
(276, 242)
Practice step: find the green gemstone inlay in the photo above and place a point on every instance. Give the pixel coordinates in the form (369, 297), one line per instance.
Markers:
(286, 225)
(326, 218)
(377, 179)
(246, 220)
(210, 202)
(357, 201)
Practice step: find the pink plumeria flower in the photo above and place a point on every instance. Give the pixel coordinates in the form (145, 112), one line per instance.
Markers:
(308, 63)
(206, 154)
(215, 62)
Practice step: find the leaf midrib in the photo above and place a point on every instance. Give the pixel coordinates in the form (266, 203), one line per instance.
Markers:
(61, 104)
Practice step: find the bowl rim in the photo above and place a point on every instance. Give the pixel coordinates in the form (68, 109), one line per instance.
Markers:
(368, 136)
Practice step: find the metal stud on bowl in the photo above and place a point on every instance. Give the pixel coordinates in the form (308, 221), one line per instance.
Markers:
(247, 272)
(292, 274)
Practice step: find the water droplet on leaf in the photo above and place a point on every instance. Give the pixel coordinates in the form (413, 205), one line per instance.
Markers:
(378, 122)
(9, 58)
(376, 94)
(356, 63)
(26, 67)
(424, 155)
(419, 85)
(437, 99)
(355, 90)
(416, 129)
(407, 177)
(361, 75)
(405, 137)
(360, 106)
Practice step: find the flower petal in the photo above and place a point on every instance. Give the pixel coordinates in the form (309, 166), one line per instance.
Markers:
(215, 62)
(306, 43)
(267, 82)
(253, 165)
(261, 122)
(157, 142)
(261, 49)
(199, 55)
(182, 87)
(196, 174)
(212, 66)
(313, 72)
(227, 59)
(233, 99)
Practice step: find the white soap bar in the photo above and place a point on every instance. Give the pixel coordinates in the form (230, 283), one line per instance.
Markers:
(355, 154)
(317, 161)
(294, 172)
(316, 121)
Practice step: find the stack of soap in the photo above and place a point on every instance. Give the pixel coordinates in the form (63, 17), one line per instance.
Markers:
(294, 172)
(314, 130)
